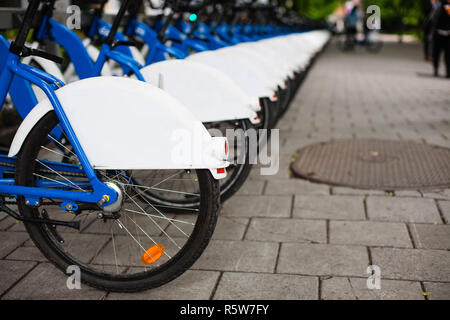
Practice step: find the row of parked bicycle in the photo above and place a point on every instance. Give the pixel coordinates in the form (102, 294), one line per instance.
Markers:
(119, 175)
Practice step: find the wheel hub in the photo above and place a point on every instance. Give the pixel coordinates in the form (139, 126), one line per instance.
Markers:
(116, 205)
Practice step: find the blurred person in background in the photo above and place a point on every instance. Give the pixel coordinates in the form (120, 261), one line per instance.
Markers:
(429, 6)
(441, 35)
(351, 19)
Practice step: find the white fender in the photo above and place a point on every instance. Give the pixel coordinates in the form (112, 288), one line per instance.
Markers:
(253, 56)
(271, 54)
(248, 77)
(46, 65)
(127, 124)
(208, 93)
(137, 55)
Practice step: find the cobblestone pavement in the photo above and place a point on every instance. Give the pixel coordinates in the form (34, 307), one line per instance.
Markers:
(284, 238)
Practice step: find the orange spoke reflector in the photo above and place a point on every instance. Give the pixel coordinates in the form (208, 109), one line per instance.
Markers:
(152, 254)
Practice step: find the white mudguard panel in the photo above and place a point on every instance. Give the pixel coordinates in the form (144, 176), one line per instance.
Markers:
(127, 124)
(208, 93)
(247, 76)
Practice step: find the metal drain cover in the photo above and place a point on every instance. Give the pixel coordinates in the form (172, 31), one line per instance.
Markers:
(375, 164)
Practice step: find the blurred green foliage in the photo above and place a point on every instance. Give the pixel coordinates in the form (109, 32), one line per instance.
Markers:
(396, 15)
(316, 9)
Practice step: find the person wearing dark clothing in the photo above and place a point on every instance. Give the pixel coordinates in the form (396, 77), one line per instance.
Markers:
(428, 7)
(351, 21)
(441, 35)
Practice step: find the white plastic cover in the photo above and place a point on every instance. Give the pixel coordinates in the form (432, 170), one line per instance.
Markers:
(208, 93)
(127, 124)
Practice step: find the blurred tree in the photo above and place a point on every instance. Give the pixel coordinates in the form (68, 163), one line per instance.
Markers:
(10, 3)
(400, 15)
(316, 9)
(396, 15)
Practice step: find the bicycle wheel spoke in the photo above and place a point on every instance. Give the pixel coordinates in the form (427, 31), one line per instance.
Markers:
(162, 230)
(60, 175)
(53, 180)
(114, 249)
(159, 217)
(60, 144)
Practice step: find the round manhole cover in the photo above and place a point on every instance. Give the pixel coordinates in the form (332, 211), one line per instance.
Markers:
(375, 164)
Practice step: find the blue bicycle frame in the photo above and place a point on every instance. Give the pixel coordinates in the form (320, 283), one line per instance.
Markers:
(157, 49)
(84, 66)
(14, 73)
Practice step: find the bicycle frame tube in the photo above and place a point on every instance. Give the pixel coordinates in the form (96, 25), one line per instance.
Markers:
(125, 61)
(71, 42)
(149, 37)
(47, 83)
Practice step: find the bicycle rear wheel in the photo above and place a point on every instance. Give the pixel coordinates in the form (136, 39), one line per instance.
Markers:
(345, 43)
(141, 246)
(374, 44)
(239, 158)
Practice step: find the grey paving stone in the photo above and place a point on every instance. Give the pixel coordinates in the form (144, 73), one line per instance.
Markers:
(246, 256)
(258, 206)
(338, 288)
(445, 209)
(402, 209)
(408, 193)
(329, 207)
(27, 254)
(45, 282)
(369, 233)
(230, 228)
(296, 186)
(17, 226)
(319, 259)
(351, 191)
(287, 230)
(12, 271)
(442, 194)
(291, 146)
(431, 236)
(251, 286)
(251, 187)
(437, 290)
(412, 264)
(277, 169)
(9, 241)
(191, 285)
(283, 174)
(6, 223)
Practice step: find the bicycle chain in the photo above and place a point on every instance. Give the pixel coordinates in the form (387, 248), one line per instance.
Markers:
(70, 174)
(14, 202)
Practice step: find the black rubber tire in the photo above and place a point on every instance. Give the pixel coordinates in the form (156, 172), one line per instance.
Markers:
(266, 114)
(293, 86)
(240, 176)
(374, 47)
(345, 44)
(285, 99)
(183, 260)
